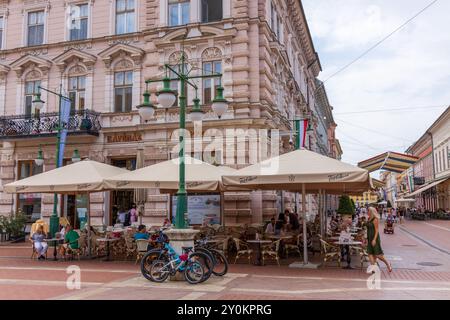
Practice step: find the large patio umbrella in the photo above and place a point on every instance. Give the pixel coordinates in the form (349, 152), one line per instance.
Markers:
(305, 171)
(80, 177)
(200, 176)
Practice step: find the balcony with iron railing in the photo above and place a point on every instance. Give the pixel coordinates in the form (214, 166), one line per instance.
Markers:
(82, 122)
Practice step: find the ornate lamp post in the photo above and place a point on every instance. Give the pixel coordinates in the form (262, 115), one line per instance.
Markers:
(166, 98)
(38, 103)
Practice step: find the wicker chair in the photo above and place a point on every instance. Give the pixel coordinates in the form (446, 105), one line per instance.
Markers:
(141, 249)
(34, 253)
(295, 246)
(242, 248)
(271, 251)
(330, 252)
(131, 248)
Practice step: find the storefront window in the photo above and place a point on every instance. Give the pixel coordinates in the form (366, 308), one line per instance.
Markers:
(121, 200)
(29, 204)
(203, 209)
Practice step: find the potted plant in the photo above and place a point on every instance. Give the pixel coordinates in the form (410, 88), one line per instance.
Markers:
(14, 225)
(346, 208)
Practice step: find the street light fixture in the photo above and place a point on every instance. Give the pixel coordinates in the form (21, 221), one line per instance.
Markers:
(147, 109)
(166, 98)
(40, 158)
(38, 103)
(76, 156)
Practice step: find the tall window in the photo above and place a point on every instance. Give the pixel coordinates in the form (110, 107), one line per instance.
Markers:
(211, 10)
(31, 89)
(79, 16)
(125, 16)
(275, 20)
(35, 28)
(123, 91)
(29, 204)
(1, 32)
(179, 12)
(210, 85)
(77, 93)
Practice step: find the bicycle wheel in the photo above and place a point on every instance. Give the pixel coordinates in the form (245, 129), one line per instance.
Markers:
(147, 260)
(159, 271)
(220, 263)
(205, 260)
(194, 272)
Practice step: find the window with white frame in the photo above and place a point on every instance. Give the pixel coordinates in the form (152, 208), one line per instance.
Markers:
(31, 89)
(79, 17)
(1, 32)
(210, 85)
(35, 28)
(212, 10)
(77, 92)
(125, 16)
(179, 12)
(123, 91)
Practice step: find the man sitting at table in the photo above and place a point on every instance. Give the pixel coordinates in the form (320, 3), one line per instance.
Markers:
(141, 233)
(70, 239)
(270, 229)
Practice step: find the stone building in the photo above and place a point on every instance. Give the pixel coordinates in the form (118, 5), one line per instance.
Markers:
(102, 51)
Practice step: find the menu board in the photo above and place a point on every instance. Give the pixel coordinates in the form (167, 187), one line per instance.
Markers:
(202, 209)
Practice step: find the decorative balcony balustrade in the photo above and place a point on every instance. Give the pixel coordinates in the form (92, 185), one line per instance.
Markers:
(46, 124)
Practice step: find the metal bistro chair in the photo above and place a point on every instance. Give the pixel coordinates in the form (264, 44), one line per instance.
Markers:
(242, 248)
(330, 252)
(271, 251)
(141, 248)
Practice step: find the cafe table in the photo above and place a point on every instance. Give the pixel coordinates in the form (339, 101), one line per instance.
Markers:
(258, 244)
(55, 241)
(345, 245)
(108, 241)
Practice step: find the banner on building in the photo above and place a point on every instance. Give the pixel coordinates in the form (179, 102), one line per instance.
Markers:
(64, 122)
(303, 127)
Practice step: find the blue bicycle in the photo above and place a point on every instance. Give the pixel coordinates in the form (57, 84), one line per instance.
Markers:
(187, 262)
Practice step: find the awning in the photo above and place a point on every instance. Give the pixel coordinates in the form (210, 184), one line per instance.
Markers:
(429, 186)
(405, 200)
(389, 161)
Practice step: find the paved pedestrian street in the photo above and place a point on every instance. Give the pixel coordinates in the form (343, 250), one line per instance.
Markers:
(418, 252)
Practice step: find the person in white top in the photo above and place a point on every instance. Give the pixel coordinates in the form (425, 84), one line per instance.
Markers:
(271, 226)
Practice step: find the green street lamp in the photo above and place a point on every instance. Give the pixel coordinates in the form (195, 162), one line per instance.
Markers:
(40, 158)
(38, 103)
(166, 99)
(76, 156)
(146, 109)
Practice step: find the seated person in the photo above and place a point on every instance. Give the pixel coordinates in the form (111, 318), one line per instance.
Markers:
(38, 239)
(270, 229)
(141, 233)
(390, 219)
(279, 227)
(70, 240)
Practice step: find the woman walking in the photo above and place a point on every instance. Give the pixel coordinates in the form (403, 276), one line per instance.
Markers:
(373, 239)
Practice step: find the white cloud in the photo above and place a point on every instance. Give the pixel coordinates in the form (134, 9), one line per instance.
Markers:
(410, 69)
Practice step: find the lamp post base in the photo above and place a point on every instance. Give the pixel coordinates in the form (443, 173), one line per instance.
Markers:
(180, 238)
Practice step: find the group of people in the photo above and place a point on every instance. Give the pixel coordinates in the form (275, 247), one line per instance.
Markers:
(287, 221)
(40, 245)
(127, 217)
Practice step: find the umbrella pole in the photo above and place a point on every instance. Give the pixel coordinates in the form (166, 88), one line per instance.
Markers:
(222, 208)
(305, 238)
(89, 222)
(319, 212)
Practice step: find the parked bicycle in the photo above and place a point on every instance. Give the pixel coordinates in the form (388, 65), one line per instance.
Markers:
(165, 253)
(219, 261)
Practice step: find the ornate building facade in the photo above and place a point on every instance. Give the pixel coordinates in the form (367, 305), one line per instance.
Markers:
(101, 51)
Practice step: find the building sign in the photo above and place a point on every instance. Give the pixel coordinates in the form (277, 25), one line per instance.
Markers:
(124, 137)
(202, 209)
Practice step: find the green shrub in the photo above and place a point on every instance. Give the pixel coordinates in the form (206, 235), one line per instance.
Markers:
(14, 224)
(345, 205)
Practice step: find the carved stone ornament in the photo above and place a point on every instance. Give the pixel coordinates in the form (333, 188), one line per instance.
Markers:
(175, 57)
(211, 53)
(123, 64)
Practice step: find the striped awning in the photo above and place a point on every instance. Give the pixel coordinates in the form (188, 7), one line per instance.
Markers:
(389, 161)
(377, 183)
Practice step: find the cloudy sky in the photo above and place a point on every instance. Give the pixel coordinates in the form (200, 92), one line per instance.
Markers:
(409, 70)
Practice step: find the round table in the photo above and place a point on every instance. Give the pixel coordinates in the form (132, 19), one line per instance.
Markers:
(55, 240)
(258, 252)
(108, 240)
(345, 245)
